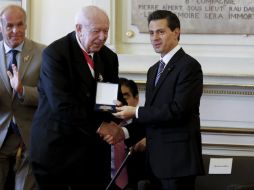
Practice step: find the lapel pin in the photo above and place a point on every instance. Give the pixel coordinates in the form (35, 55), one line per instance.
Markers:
(100, 78)
(26, 58)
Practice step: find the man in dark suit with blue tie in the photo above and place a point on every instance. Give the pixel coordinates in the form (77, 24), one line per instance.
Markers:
(66, 152)
(170, 115)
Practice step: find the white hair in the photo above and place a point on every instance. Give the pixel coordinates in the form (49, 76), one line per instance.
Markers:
(86, 13)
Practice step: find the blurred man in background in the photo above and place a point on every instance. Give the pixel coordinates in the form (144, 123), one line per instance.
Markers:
(20, 62)
(136, 162)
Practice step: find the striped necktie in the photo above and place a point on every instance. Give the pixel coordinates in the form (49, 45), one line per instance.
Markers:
(160, 70)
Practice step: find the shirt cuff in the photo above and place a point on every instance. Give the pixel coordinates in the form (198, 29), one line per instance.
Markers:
(136, 113)
(126, 133)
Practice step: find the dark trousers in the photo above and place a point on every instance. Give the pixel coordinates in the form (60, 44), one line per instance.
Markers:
(181, 183)
(178, 183)
(66, 180)
(114, 187)
(8, 153)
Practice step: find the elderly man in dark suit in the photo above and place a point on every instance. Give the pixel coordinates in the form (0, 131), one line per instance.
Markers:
(171, 111)
(66, 151)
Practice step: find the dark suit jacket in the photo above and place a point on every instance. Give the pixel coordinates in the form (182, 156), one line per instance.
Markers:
(64, 138)
(171, 118)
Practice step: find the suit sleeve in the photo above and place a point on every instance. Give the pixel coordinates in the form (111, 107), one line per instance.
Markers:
(56, 85)
(30, 97)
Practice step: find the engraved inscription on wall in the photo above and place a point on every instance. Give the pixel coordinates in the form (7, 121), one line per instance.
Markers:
(200, 16)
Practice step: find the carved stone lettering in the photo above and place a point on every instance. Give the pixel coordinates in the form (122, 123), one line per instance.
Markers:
(200, 16)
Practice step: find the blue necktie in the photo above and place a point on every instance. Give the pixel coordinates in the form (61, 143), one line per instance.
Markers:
(14, 128)
(13, 59)
(160, 70)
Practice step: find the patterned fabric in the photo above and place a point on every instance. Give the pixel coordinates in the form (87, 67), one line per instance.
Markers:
(160, 70)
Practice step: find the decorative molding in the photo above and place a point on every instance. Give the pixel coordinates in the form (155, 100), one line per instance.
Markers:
(227, 141)
(26, 4)
(141, 82)
(227, 150)
(239, 75)
(227, 146)
(228, 89)
(230, 85)
(227, 130)
(244, 91)
(227, 92)
(218, 89)
(109, 6)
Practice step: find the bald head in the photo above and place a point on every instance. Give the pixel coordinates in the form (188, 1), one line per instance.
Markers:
(13, 8)
(92, 25)
(13, 25)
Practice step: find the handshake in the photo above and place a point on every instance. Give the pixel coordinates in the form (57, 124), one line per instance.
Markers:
(112, 132)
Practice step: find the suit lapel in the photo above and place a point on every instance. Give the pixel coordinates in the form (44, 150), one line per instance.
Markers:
(150, 88)
(3, 70)
(84, 70)
(168, 69)
(99, 68)
(81, 64)
(25, 58)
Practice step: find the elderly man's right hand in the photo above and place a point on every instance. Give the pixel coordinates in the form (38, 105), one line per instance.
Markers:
(111, 132)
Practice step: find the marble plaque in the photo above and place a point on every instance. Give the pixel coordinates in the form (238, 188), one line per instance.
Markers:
(200, 16)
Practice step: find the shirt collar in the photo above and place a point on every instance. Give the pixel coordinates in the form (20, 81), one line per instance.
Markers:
(7, 48)
(170, 54)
